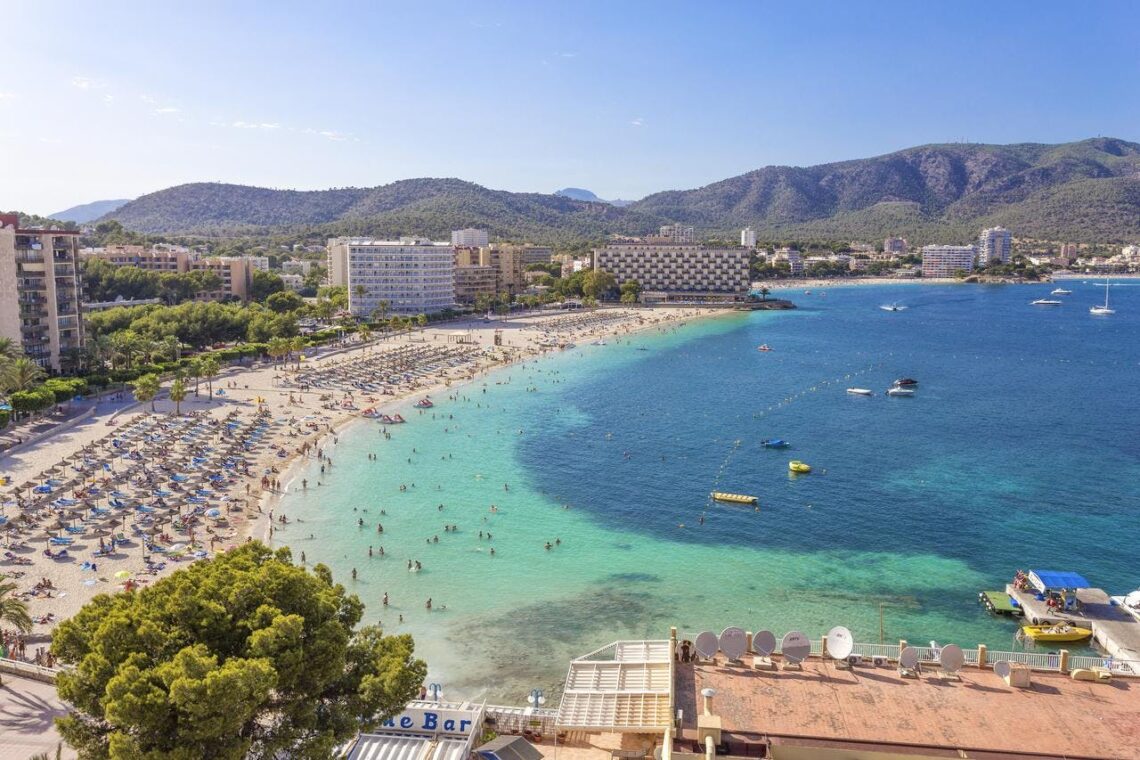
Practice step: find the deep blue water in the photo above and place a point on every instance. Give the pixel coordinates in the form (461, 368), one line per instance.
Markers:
(1021, 448)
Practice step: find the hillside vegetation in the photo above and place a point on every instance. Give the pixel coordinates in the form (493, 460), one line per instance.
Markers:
(1082, 191)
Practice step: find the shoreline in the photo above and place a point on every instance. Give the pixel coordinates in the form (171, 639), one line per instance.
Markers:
(297, 424)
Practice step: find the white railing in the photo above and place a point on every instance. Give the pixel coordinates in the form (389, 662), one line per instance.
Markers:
(1118, 667)
(28, 670)
(871, 651)
(1035, 660)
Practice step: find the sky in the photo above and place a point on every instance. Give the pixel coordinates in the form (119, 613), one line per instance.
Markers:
(117, 99)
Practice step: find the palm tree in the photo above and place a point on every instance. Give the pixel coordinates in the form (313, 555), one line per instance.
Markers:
(421, 320)
(764, 294)
(277, 348)
(22, 374)
(146, 388)
(9, 349)
(177, 393)
(297, 345)
(364, 331)
(13, 611)
(194, 370)
(210, 368)
(172, 348)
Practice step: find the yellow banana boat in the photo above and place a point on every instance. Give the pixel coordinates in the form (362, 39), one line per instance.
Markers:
(733, 498)
(797, 466)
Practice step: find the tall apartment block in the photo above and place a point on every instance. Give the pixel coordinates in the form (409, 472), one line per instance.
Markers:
(678, 233)
(469, 237)
(895, 246)
(412, 276)
(994, 244)
(40, 291)
(748, 238)
(945, 260)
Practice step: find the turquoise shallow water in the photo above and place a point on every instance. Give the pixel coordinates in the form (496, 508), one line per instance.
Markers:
(1019, 451)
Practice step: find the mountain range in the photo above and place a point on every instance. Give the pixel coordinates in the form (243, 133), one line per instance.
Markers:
(88, 212)
(580, 194)
(1087, 191)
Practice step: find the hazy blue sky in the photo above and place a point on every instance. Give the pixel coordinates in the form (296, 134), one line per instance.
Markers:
(116, 99)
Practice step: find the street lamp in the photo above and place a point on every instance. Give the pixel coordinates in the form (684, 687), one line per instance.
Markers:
(435, 690)
(536, 699)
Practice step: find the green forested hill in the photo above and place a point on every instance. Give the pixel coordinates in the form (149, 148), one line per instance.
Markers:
(1082, 191)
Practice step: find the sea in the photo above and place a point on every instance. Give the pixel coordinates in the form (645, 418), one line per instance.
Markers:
(589, 473)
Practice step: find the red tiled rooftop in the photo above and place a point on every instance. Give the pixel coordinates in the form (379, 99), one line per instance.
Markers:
(1055, 717)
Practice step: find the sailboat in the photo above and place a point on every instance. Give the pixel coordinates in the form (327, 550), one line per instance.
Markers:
(1102, 311)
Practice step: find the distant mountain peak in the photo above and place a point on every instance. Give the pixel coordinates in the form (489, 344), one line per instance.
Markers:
(579, 194)
(88, 212)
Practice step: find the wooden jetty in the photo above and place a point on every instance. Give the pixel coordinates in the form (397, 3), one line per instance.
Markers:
(1117, 632)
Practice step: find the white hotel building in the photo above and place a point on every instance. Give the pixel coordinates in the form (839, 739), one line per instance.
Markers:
(945, 260)
(413, 276)
(994, 244)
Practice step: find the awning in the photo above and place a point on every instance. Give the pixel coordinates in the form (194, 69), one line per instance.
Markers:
(1044, 580)
(406, 747)
(508, 748)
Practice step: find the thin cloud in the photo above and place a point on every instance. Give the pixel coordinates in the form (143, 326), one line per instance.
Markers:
(166, 110)
(638, 122)
(6, 95)
(567, 55)
(87, 83)
(254, 125)
(108, 99)
(330, 134)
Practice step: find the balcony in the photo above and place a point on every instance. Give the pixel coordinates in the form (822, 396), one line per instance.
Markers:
(25, 256)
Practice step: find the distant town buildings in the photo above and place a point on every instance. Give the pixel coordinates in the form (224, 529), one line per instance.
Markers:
(677, 233)
(297, 266)
(411, 275)
(895, 246)
(994, 244)
(536, 254)
(748, 238)
(793, 258)
(292, 280)
(1069, 251)
(945, 260)
(40, 291)
(677, 271)
(475, 275)
(470, 237)
(260, 263)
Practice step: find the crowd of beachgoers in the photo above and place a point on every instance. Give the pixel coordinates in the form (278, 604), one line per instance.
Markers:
(128, 494)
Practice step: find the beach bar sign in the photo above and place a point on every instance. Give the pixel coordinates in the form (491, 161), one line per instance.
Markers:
(426, 720)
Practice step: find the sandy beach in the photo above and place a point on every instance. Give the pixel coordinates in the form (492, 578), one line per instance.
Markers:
(129, 494)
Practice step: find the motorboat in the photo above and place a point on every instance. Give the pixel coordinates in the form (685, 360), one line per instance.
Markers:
(598, 343)
(897, 391)
(774, 443)
(733, 498)
(425, 403)
(905, 382)
(799, 467)
(1045, 302)
(861, 391)
(1102, 311)
(1058, 632)
(764, 347)
(1061, 292)
(892, 307)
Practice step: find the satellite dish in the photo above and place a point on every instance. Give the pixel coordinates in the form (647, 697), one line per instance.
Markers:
(1002, 669)
(951, 658)
(764, 643)
(908, 658)
(795, 647)
(733, 642)
(839, 643)
(706, 644)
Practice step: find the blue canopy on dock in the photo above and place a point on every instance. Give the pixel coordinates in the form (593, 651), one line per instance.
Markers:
(1057, 579)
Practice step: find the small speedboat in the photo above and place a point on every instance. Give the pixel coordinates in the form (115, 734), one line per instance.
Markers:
(860, 391)
(1059, 632)
(1045, 302)
(896, 391)
(1061, 292)
(892, 307)
(774, 443)
(799, 467)
(764, 347)
(733, 498)
(425, 403)
(905, 382)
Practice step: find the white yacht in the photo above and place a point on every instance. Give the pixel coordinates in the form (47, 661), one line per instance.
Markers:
(1102, 311)
(860, 391)
(892, 307)
(1045, 302)
(1061, 292)
(897, 391)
